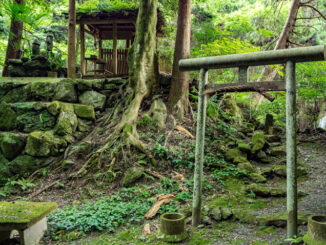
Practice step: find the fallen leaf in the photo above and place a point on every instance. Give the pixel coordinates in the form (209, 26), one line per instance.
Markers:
(184, 131)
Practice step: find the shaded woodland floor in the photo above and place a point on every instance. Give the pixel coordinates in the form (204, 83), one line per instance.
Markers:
(312, 154)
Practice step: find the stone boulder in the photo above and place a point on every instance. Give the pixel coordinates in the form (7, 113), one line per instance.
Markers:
(4, 169)
(258, 141)
(42, 90)
(236, 156)
(44, 144)
(11, 145)
(54, 108)
(24, 165)
(94, 99)
(84, 111)
(67, 121)
(65, 91)
(132, 175)
(7, 117)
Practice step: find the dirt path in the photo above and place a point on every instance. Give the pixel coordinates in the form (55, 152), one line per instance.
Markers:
(314, 155)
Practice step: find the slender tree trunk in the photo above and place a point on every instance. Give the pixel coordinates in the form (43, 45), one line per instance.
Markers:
(14, 41)
(282, 43)
(178, 97)
(71, 40)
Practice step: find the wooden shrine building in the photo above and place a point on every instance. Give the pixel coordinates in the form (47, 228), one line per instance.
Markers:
(109, 25)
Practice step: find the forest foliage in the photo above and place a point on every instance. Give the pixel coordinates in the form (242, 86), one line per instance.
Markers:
(219, 27)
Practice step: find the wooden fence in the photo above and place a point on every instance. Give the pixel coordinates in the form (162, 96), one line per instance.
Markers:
(107, 55)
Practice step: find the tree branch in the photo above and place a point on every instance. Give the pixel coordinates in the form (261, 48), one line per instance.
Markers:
(312, 7)
(243, 88)
(303, 3)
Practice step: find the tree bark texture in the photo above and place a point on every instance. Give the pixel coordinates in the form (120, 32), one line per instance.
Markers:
(71, 40)
(14, 41)
(178, 97)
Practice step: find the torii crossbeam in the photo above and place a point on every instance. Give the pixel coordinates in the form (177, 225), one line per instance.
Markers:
(289, 57)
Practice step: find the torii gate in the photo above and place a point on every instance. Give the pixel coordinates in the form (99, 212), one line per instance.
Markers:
(285, 56)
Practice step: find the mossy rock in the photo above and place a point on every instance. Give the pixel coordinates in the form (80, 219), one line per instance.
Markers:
(236, 156)
(279, 220)
(23, 165)
(277, 151)
(116, 80)
(43, 144)
(258, 141)
(132, 175)
(11, 145)
(4, 169)
(263, 191)
(66, 123)
(84, 111)
(7, 117)
(258, 178)
(98, 83)
(94, 99)
(110, 86)
(54, 108)
(42, 90)
(262, 157)
(34, 121)
(20, 94)
(247, 167)
(245, 216)
(84, 85)
(65, 91)
(280, 170)
(244, 147)
(216, 214)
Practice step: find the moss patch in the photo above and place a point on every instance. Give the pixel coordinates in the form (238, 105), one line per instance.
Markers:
(7, 117)
(23, 214)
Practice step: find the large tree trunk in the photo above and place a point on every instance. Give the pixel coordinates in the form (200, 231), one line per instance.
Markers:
(14, 41)
(282, 43)
(178, 97)
(71, 40)
(143, 81)
(142, 61)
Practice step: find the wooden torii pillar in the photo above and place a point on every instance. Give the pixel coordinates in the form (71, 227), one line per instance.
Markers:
(288, 56)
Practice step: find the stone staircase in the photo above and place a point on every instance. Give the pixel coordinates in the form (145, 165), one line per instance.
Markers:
(40, 117)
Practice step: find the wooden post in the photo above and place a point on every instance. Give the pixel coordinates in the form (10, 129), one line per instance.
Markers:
(71, 40)
(82, 49)
(127, 43)
(115, 50)
(243, 74)
(199, 155)
(100, 48)
(291, 156)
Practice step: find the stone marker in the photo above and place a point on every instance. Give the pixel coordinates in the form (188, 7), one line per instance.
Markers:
(28, 218)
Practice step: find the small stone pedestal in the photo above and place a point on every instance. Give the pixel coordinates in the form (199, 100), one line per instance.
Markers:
(173, 227)
(28, 218)
(316, 230)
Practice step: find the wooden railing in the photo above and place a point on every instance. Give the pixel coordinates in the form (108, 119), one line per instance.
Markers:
(107, 55)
